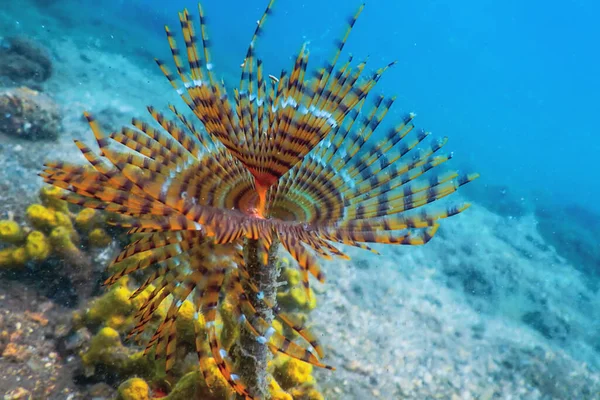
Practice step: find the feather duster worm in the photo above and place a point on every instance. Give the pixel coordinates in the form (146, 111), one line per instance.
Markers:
(287, 160)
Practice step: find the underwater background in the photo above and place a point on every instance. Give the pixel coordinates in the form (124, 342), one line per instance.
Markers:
(501, 304)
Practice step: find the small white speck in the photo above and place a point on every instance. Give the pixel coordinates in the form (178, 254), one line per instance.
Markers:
(261, 339)
(269, 332)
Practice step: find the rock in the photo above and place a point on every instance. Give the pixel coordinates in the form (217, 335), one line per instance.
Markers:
(16, 352)
(550, 325)
(28, 114)
(100, 391)
(78, 339)
(18, 394)
(23, 62)
(573, 230)
(352, 365)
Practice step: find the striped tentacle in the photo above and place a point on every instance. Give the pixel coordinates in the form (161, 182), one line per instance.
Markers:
(86, 202)
(299, 122)
(295, 196)
(203, 96)
(393, 137)
(171, 150)
(209, 300)
(251, 94)
(207, 142)
(324, 76)
(387, 168)
(173, 189)
(162, 289)
(165, 339)
(160, 270)
(408, 237)
(396, 178)
(400, 201)
(298, 327)
(117, 194)
(315, 178)
(147, 258)
(187, 144)
(423, 219)
(306, 260)
(350, 180)
(218, 352)
(316, 181)
(210, 295)
(206, 280)
(117, 180)
(144, 145)
(201, 339)
(196, 271)
(154, 241)
(120, 160)
(190, 40)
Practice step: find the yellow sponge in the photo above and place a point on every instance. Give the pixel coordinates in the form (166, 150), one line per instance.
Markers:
(99, 238)
(134, 389)
(87, 219)
(49, 195)
(37, 246)
(60, 237)
(41, 217)
(11, 232)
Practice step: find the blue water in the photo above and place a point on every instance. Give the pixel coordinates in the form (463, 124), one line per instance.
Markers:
(513, 84)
